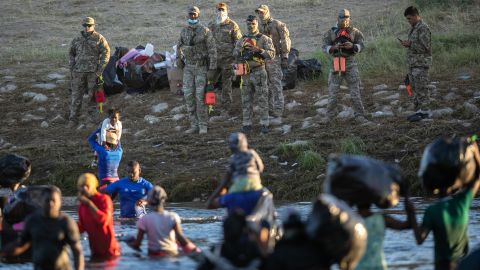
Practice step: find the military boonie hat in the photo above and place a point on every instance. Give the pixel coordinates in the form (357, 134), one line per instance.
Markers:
(344, 13)
(222, 5)
(251, 18)
(194, 10)
(88, 21)
(263, 8)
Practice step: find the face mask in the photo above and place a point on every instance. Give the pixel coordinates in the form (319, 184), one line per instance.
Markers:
(344, 23)
(192, 22)
(221, 16)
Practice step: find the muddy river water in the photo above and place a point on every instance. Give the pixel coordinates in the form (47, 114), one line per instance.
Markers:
(203, 227)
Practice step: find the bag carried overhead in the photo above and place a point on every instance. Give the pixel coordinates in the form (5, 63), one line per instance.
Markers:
(337, 230)
(449, 164)
(14, 169)
(362, 180)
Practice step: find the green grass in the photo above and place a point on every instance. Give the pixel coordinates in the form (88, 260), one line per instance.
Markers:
(352, 145)
(455, 40)
(292, 150)
(311, 161)
(28, 53)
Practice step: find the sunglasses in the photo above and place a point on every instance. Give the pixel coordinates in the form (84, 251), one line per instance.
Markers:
(343, 17)
(87, 25)
(220, 9)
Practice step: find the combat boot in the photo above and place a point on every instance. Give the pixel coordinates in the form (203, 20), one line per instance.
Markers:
(191, 130)
(203, 130)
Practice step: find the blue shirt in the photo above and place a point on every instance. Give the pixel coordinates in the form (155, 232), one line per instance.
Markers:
(130, 192)
(241, 200)
(108, 160)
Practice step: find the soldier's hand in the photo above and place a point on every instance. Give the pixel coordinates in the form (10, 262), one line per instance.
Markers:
(211, 75)
(284, 63)
(333, 48)
(254, 49)
(406, 43)
(347, 45)
(180, 64)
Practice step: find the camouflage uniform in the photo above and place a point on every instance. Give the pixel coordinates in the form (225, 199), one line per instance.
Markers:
(89, 54)
(419, 59)
(255, 83)
(279, 34)
(226, 34)
(351, 74)
(197, 51)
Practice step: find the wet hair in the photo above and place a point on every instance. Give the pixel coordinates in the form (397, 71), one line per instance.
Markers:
(50, 190)
(412, 11)
(113, 111)
(234, 226)
(133, 163)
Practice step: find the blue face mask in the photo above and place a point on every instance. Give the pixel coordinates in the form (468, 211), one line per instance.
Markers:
(192, 22)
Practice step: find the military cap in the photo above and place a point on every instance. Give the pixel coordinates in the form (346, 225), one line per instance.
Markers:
(88, 21)
(344, 13)
(194, 9)
(222, 5)
(263, 8)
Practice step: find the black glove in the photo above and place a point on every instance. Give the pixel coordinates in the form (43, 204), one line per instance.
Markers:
(284, 63)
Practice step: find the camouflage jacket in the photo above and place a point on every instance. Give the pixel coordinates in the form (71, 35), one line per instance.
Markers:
(89, 53)
(419, 53)
(279, 34)
(196, 46)
(226, 35)
(336, 36)
(254, 59)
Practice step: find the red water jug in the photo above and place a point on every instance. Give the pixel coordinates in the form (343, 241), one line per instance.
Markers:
(210, 99)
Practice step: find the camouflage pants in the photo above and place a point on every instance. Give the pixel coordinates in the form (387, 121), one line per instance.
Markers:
(225, 70)
(255, 87)
(194, 82)
(82, 83)
(418, 77)
(352, 77)
(275, 88)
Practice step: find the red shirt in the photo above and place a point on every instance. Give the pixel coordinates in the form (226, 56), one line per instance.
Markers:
(99, 228)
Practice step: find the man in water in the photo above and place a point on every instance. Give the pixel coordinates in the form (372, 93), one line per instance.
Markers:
(132, 190)
(49, 233)
(95, 216)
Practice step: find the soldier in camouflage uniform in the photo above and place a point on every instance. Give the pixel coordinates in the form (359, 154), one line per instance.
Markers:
(279, 34)
(254, 49)
(226, 33)
(197, 56)
(89, 54)
(346, 41)
(419, 59)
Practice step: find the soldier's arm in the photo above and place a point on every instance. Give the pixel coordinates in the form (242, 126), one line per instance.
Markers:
(179, 51)
(72, 53)
(327, 43)
(423, 43)
(236, 50)
(212, 50)
(268, 50)
(358, 45)
(236, 33)
(285, 41)
(104, 54)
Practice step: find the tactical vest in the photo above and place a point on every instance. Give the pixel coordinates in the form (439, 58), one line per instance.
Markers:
(342, 36)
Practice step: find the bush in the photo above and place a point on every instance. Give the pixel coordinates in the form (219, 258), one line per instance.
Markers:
(311, 161)
(353, 146)
(292, 150)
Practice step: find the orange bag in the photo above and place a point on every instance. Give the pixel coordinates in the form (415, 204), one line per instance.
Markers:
(339, 65)
(241, 69)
